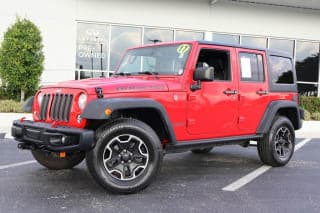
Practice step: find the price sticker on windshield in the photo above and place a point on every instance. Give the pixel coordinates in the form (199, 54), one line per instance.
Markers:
(182, 49)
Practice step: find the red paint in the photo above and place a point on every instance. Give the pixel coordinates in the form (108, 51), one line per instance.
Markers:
(204, 113)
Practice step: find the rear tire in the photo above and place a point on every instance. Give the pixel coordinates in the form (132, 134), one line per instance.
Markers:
(52, 160)
(127, 156)
(277, 146)
(202, 150)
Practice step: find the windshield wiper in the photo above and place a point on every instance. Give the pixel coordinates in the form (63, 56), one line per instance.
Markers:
(147, 73)
(123, 73)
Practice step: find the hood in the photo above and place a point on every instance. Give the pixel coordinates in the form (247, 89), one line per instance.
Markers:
(117, 84)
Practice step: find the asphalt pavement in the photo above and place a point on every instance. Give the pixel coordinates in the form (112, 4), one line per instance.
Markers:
(186, 183)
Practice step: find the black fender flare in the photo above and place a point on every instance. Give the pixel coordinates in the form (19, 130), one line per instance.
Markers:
(96, 110)
(271, 111)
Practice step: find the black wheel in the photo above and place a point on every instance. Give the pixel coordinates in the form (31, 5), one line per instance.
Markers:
(202, 150)
(53, 161)
(277, 147)
(127, 156)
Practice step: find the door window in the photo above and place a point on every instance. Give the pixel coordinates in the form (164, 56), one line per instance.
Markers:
(251, 65)
(219, 60)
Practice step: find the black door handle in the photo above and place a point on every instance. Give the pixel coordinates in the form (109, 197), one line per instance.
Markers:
(230, 92)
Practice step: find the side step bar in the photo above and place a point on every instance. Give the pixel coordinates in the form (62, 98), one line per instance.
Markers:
(182, 146)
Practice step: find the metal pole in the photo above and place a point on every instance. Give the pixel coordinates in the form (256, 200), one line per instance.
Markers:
(91, 63)
(101, 68)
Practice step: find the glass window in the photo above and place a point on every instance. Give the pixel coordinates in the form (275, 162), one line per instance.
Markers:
(224, 38)
(308, 89)
(151, 35)
(165, 60)
(188, 35)
(282, 45)
(255, 42)
(307, 61)
(92, 48)
(217, 59)
(122, 38)
(281, 70)
(251, 67)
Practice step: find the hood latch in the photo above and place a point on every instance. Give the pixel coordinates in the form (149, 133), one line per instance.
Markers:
(99, 92)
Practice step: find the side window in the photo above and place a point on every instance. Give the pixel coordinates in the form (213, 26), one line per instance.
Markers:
(281, 70)
(219, 60)
(251, 66)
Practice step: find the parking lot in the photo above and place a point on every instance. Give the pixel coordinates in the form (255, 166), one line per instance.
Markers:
(187, 183)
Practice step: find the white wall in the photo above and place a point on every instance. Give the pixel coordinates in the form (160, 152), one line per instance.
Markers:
(56, 20)
(223, 16)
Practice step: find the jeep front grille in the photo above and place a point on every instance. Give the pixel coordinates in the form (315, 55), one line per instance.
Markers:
(61, 106)
(59, 109)
(44, 107)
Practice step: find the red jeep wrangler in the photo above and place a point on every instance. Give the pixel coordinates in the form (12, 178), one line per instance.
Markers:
(163, 98)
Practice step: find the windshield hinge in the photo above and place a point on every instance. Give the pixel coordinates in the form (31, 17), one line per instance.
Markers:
(99, 92)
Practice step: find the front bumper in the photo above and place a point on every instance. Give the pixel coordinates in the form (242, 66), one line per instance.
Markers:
(57, 139)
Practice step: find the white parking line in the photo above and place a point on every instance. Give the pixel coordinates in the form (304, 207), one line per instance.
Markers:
(17, 164)
(256, 173)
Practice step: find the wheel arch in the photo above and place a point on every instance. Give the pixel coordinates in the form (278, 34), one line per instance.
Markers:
(288, 109)
(147, 110)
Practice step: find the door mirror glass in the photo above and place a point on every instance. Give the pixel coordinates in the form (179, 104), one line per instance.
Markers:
(204, 74)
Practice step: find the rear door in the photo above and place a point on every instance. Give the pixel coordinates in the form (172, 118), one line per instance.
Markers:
(253, 89)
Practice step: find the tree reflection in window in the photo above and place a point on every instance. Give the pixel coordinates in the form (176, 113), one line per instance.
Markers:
(307, 61)
(122, 38)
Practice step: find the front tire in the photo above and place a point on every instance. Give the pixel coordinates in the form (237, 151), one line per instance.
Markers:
(277, 146)
(52, 160)
(127, 156)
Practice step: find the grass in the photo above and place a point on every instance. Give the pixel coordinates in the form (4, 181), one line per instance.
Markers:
(10, 106)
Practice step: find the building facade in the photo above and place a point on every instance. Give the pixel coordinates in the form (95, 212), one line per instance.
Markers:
(90, 36)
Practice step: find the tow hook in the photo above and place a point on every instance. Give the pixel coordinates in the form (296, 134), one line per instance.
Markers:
(25, 146)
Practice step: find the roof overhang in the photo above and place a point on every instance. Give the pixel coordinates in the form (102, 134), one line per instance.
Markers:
(305, 4)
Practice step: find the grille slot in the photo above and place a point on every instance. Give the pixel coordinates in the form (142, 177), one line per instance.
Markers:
(44, 106)
(61, 107)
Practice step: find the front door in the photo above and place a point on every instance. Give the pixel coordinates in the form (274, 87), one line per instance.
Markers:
(213, 109)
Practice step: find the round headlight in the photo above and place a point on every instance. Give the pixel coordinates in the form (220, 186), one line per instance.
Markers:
(82, 101)
(40, 98)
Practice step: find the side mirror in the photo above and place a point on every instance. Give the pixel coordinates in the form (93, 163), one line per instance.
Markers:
(203, 74)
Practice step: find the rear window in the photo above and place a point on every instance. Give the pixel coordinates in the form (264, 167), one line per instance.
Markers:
(281, 70)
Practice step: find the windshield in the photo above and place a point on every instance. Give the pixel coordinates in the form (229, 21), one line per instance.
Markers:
(162, 60)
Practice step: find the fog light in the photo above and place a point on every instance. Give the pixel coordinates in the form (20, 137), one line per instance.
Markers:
(63, 139)
(56, 140)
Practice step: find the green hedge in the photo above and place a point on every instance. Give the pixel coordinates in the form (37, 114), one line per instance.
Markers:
(312, 104)
(10, 106)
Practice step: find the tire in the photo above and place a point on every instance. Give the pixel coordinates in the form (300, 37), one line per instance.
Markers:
(277, 146)
(127, 156)
(52, 160)
(202, 150)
